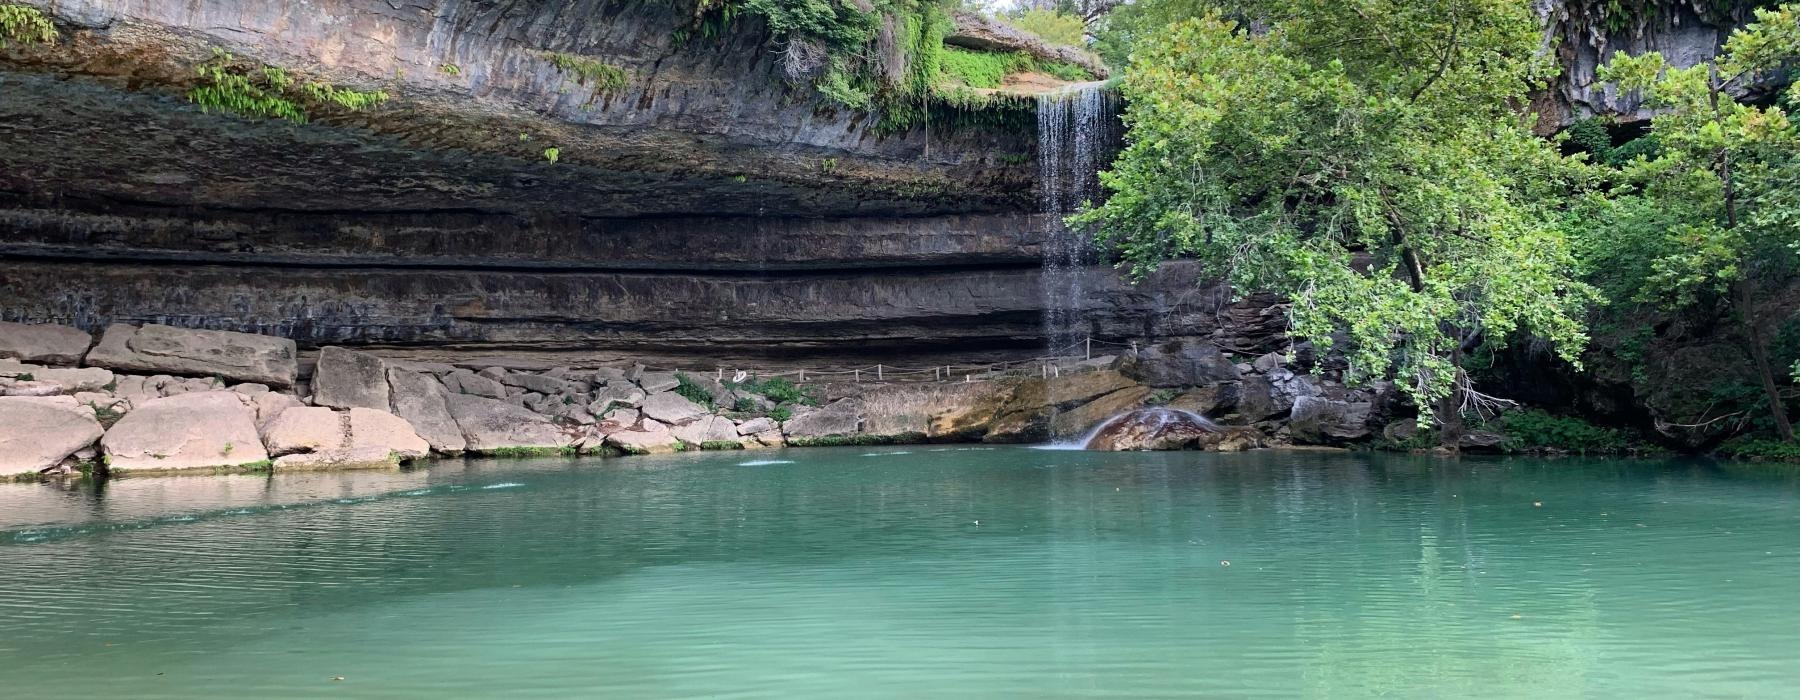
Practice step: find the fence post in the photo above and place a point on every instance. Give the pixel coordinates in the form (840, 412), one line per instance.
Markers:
(858, 375)
(803, 375)
(878, 371)
(721, 377)
(1090, 348)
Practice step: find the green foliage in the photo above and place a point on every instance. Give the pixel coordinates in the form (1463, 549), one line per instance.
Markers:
(889, 62)
(719, 445)
(25, 377)
(450, 69)
(25, 26)
(781, 414)
(982, 69)
(267, 92)
(1590, 136)
(1624, 154)
(1127, 26)
(1537, 430)
(1050, 25)
(1747, 447)
(552, 154)
(1161, 397)
(1710, 215)
(591, 72)
(691, 390)
(780, 390)
(1387, 186)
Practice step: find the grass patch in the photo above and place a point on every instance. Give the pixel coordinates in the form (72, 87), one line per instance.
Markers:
(721, 445)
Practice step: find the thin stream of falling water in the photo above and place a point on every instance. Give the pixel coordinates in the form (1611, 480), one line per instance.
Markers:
(1078, 128)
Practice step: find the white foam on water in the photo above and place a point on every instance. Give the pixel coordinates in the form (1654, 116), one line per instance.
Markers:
(764, 462)
(886, 454)
(503, 485)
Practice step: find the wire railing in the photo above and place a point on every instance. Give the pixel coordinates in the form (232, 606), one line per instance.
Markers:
(1049, 365)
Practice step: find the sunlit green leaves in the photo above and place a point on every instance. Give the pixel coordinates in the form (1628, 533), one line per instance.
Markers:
(1366, 160)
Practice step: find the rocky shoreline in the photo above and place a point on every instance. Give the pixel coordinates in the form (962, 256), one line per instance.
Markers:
(160, 399)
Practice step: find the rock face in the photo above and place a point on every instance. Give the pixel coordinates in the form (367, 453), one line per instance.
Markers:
(239, 357)
(1322, 421)
(1180, 363)
(836, 420)
(39, 433)
(346, 378)
(305, 429)
(189, 431)
(44, 344)
(672, 409)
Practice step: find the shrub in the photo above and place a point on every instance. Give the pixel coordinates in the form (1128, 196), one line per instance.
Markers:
(1052, 26)
(781, 414)
(1534, 429)
(692, 391)
(24, 25)
(1747, 447)
(714, 445)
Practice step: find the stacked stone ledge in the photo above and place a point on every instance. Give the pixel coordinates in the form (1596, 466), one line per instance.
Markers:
(162, 399)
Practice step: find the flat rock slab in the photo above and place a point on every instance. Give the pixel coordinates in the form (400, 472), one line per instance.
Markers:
(651, 438)
(370, 428)
(47, 344)
(672, 408)
(306, 429)
(189, 431)
(346, 378)
(491, 425)
(239, 357)
(837, 420)
(707, 429)
(39, 433)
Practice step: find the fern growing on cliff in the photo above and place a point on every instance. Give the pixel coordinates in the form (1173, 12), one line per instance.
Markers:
(268, 92)
(25, 25)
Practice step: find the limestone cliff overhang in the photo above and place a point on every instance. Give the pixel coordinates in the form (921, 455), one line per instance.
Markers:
(478, 101)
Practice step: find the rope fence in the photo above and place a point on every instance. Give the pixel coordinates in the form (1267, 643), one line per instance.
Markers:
(1047, 366)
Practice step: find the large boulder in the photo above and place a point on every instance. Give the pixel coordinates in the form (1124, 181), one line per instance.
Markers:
(241, 357)
(1320, 421)
(45, 344)
(654, 382)
(1178, 363)
(705, 430)
(306, 429)
(839, 419)
(672, 408)
(1212, 400)
(617, 393)
(72, 380)
(189, 431)
(649, 437)
(1152, 429)
(346, 378)
(1266, 396)
(537, 382)
(490, 425)
(39, 433)
(370, 428)
(422, 401)
(1033, 403)
(463, 381)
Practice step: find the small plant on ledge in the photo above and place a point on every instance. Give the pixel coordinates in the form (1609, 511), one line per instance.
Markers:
(24, 26)
(268, 92)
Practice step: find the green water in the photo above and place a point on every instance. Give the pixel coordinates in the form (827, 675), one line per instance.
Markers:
(928, 572)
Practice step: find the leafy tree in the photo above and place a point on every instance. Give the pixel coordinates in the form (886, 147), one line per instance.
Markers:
(1050, 25)
(1714, 217)
(1366, 160)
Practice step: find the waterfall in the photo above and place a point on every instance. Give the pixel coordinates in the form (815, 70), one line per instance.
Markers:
(1078, 133)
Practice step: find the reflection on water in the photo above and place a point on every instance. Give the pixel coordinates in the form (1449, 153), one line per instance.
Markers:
(919, 571)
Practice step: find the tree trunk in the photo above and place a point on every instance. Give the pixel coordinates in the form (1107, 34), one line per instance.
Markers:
(1449, 409)
(1760, 356)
